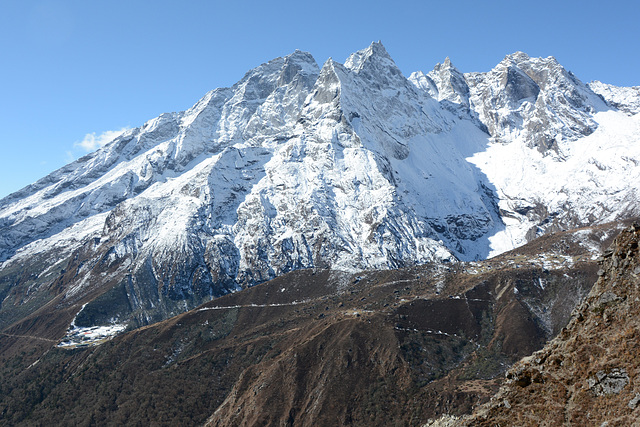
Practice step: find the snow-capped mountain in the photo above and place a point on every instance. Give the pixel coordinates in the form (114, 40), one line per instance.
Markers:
(560, 155)
(350, 166)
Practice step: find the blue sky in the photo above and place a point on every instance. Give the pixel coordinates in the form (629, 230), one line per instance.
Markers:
(71, 70)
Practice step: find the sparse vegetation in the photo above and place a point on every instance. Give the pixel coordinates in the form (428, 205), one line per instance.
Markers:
(392, 348)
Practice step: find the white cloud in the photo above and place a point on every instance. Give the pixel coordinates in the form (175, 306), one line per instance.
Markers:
(92, 142)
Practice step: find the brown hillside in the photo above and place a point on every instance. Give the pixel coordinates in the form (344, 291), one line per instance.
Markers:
(590, 373)
(312, 347)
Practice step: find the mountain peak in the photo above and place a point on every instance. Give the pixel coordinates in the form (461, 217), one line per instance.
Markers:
(626, 99)
(518, 56)
(298, 62)
(444, 82)
(378, 48)
(522, 60)
(446, 67)
(302, 58)
(376, 52)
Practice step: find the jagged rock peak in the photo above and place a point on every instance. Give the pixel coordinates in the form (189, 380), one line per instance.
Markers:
(298, 62)
(517, 56)
(626, 99)
(302, 56)
(540, 102)
(326, 89)
(539, 69)
(444, 82)
(279, 71)
(374, 54)
(446, 65)
(522, 59)
(549, 74)
(304, 60)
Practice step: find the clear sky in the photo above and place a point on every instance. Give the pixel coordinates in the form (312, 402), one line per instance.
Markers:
(72, 70)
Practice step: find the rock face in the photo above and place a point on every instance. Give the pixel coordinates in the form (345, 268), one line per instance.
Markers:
(535, 99)
(444, 82)
(589, 374)
(348, 167)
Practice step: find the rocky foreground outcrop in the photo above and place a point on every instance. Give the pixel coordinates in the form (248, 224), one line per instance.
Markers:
(590, 373)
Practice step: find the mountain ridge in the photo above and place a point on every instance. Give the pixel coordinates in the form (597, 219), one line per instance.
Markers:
(587, 374)
(349, 167)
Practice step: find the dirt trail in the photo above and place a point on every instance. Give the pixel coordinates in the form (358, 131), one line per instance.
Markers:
(27, 336)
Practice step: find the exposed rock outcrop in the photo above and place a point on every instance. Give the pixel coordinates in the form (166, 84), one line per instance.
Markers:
(590, 373)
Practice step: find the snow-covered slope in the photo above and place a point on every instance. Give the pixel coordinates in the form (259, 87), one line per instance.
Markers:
(559, 156)
(351, 166)
(596, 181)
(625, 99)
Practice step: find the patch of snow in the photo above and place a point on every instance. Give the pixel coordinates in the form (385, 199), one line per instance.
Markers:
(89, 336)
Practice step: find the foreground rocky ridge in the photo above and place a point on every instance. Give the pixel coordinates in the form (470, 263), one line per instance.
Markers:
(313, 347)
(588, 374)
